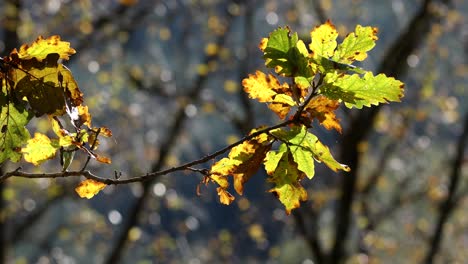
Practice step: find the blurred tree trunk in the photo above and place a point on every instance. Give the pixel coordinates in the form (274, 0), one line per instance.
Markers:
(10, 22)
(449, 204)
(393, 64)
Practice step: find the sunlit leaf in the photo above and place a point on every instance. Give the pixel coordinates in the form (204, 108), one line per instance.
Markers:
(301, 140)
(267, 89)
(279, 51)
(41, 48)
(323, 40)
(40, 148)
(89, 188)
(284, 52)
(356, 91)
(295, 141)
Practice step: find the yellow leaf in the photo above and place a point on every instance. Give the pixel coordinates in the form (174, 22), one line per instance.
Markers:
(40, 48)
(39, 149)
(280, 109)
(267, 89)
(323, 40)
(89, 187)
(249, 166)
(261, 87)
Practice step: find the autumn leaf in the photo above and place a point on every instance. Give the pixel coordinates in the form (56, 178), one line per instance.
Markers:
(323, 109)
(356, 45)
(51, 83)
(89, 187)
(322, 153)
(242, 163)
(41, 48)
(103, 159)
(224, 196)
(267, 89)
(356, 91)
(40, 148)
(249, 166)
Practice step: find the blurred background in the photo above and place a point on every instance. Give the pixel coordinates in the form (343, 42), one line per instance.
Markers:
(165, 77)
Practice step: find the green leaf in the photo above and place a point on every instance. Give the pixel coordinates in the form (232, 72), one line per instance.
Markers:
(357, 92)
(286, 53)
(322, 153)
(302, 156)
(286, 179)
(40, 148)
(279, 51)
(13, 133)
(356, 45)
(273, 157)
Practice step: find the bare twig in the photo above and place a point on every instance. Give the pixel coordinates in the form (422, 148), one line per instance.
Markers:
(149, 176)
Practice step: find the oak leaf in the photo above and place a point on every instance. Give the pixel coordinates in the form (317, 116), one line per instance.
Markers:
(357, 91)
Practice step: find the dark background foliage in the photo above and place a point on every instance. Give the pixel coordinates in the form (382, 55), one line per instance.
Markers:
(165, 77)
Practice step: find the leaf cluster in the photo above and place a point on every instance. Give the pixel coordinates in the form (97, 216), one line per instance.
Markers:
(319, 77)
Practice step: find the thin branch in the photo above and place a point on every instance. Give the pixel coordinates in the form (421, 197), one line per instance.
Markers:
(149, 176)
